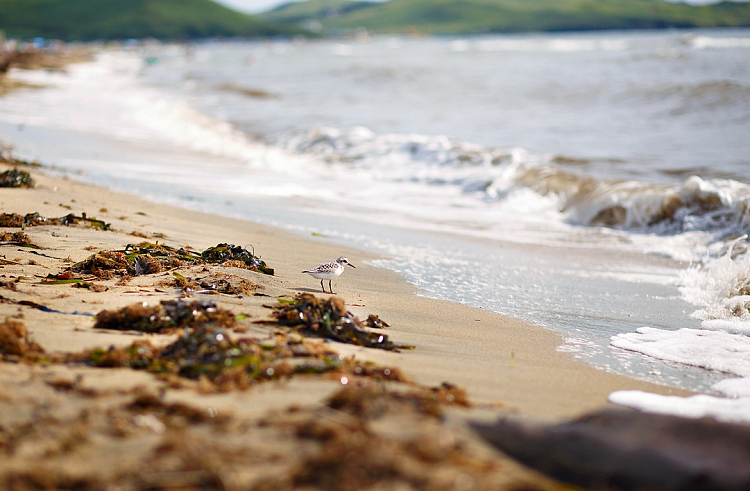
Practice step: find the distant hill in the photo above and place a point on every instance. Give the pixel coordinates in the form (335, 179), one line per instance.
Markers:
(89, 20)
(313, 10)
(476, 16)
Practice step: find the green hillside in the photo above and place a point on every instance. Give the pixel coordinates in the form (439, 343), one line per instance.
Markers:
(462, 16)
(316, 9)
(88, 20)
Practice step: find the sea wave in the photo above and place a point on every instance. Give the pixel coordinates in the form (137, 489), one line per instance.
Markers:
(718, 206)
(561, 44)
(686, 98)
(711, 42)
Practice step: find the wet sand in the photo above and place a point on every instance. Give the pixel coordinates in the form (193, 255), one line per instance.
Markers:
(507, 367)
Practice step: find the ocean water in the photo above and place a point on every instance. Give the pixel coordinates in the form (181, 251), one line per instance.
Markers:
(596, 184)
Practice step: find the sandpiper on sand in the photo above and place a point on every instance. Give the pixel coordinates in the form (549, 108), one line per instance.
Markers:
(328, 271)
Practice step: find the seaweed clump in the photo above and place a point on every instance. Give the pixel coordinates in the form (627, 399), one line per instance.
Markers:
(168, 316)
(235, 256)
(135, 260)
(15, 220)
(104, 265)
(150, 258)
(16, 178)
(15, 342)
(18, 239)
(208, 355)
(328, 318)
(416, 451)
(224, 284)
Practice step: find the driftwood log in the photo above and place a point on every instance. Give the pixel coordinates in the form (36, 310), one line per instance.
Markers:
(628, 450)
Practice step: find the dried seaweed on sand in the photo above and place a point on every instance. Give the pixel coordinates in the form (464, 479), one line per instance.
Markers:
(167, 316)
(15, 178)
(223, 253)
(17, 239)
(35, 219)
(212, 357)
(226, 284)
(15, 342)
(150, 258)
(328, 318)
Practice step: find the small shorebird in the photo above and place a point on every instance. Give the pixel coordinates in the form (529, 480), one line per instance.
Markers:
(328, 271)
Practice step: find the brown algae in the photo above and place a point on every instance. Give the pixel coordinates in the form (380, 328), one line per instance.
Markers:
(17, 239)
(150, 258)
(168, 316)
(15, 220)
(216, 283)
(209, 355)
(222, 253)
(16, 178)
(328, 318)
(15, 342)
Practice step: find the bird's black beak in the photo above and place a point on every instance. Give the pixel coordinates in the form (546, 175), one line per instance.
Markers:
(353, 266)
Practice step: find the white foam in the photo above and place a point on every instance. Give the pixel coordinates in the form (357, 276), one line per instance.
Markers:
(720, 286)
(712, 350)
(698, 406)
(733, 326)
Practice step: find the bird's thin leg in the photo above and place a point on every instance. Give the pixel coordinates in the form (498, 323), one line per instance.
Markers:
(324, 288)
(329, 287)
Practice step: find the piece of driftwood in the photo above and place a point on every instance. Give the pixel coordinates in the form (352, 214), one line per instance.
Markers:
(628, 450)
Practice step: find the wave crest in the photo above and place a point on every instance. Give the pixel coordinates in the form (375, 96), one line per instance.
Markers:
(718, 206)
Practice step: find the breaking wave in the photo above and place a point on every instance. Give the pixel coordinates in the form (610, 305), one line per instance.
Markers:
(720, 207)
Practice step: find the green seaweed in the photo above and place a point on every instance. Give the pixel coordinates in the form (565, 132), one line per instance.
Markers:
(62, 282)
(328, 318)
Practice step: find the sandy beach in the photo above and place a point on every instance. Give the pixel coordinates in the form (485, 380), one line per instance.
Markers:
(82, 424)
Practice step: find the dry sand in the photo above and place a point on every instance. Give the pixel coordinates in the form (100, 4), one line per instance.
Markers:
(103, 426)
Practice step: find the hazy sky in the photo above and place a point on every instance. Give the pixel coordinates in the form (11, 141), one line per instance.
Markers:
(251, 5)
(261, 5)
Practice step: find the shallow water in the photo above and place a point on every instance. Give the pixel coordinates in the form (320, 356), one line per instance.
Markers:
(567, 180)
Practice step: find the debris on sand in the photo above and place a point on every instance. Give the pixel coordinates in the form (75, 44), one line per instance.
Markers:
(370, 437)
(15, 342)
(328, 318)
(17, 239)
(143, 441)
(236, 255)
(207, 353)
(226, 284)
(15, 220)
(135, 260)
(15, 178)
(169, 316)
(150, 258)
(375, 322)
(210, 356)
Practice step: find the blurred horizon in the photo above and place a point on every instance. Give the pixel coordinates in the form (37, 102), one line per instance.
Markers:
(260, 6)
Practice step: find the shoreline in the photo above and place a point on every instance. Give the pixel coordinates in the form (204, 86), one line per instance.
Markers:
(496, 358)
(72, 423)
